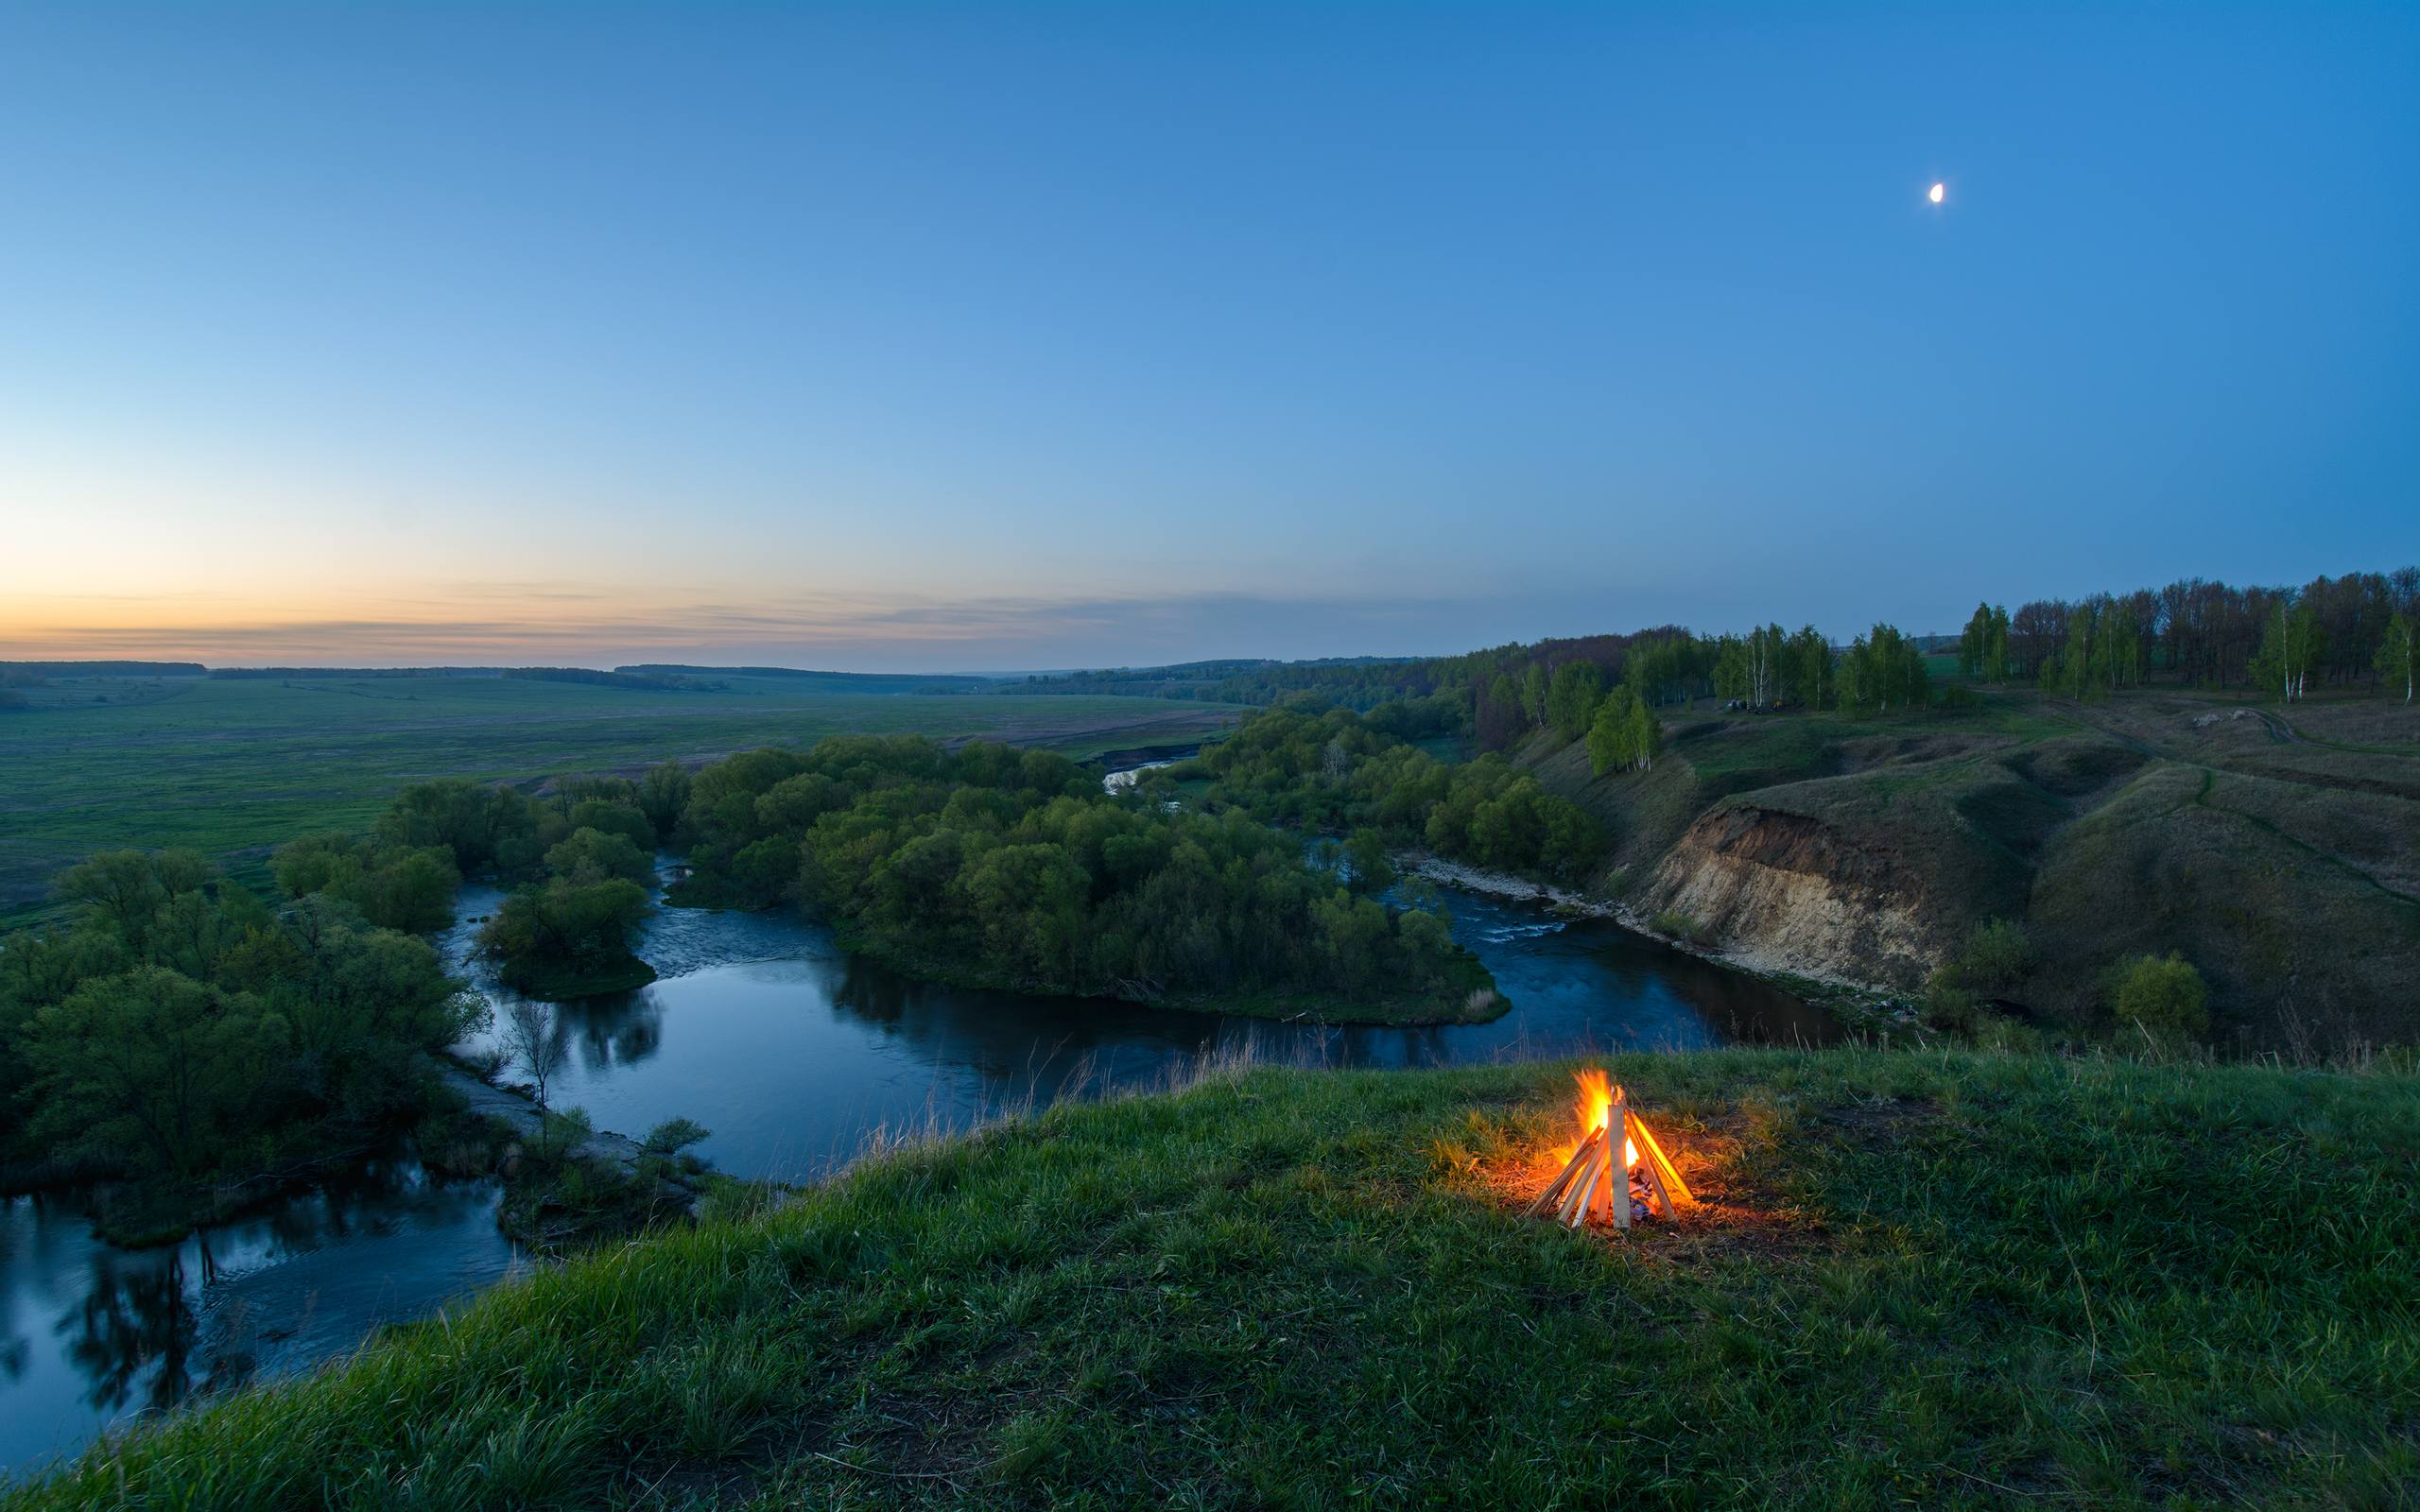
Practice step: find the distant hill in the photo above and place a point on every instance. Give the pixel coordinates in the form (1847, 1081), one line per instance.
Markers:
(836, 681)
(1249, 679)
(293, 674)
(106, 669)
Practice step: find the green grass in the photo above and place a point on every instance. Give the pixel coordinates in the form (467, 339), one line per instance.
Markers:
(235, 767)
(1920, 1280)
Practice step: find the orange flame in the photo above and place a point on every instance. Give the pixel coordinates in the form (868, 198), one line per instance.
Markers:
(1594, 1106)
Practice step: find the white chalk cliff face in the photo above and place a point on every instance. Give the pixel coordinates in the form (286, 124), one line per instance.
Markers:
(1781, 891)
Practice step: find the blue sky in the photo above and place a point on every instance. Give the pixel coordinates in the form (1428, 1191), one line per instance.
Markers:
(1014, 337)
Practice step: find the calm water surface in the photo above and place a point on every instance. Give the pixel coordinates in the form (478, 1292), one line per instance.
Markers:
(791, 1050)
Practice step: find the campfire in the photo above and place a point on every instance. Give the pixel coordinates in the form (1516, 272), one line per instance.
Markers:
(1587, 1188)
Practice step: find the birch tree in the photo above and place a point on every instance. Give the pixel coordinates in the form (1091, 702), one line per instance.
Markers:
(2396, 661)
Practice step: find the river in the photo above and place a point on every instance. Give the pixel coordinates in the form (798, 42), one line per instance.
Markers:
(792, 1052)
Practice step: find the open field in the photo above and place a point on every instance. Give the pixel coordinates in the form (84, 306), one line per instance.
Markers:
(234, 768)
(1918, 1279)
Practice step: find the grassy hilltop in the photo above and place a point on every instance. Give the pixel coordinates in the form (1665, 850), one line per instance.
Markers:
(1948, 1280)
(236, 766)
(2278, 851)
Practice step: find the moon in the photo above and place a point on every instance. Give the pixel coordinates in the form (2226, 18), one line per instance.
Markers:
(1935, 192)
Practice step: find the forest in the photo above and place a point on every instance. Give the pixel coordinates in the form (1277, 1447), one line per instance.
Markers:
(1343, 773)
(183, 1035)
(2329, 632)
(993, 867)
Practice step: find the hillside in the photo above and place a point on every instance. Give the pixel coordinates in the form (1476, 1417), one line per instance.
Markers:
(1950, 1280)
(2278, 853)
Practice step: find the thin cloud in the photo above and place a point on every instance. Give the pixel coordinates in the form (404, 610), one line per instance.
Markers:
(569, 624)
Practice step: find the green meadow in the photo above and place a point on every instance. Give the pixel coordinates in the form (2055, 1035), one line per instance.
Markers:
(1917, 1279)
(236, 766)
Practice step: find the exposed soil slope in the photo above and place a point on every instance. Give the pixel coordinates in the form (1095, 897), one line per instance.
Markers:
(2276, 850)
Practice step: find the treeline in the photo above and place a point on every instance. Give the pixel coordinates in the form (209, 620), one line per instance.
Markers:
(995, 866)
(36, 671)
(1611, 695)
(2334, 631)
(654, 682)
(1233, 679)
(2331, 631)
(628, 678)
(1340, 772)
(306, 674)
(859, 681)
(181, 1033)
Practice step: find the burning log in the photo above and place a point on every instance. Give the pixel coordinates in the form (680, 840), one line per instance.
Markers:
(1588, 1184)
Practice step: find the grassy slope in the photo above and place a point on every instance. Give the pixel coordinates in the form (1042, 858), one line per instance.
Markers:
(2279, 857)
(1938, 1279)
(234, 767)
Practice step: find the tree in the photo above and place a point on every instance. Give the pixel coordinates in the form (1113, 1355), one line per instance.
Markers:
(1975, 644)
(152, 1062)
(663, 794)
(485, 827)
(1365, 855)
(1499, 719)
(1572, 697)
(410, 890)
(613, 817)
(1731, 669)
(565, 927)
(1533, 695)
(2071, 671)
(1612, 735)
(2396, 658)
(1646, 736)
(2283, 660)
(1810, 667)
(530, 1041)
(593, 855)
(123, 890)
(1767, 649)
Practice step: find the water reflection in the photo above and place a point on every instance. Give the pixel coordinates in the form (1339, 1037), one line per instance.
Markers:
(793, 1051)
(92, 1335)
(620, 1029)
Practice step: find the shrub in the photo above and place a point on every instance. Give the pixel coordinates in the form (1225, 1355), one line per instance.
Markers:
(1949, 1006)
(1996, 957)
(1680, 926)
(2163, 996)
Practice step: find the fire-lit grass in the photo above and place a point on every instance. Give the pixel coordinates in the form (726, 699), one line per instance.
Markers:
(1926, 1280)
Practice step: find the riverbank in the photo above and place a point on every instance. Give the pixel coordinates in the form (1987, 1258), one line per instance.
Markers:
(1291, 1287)
(1869, 1008)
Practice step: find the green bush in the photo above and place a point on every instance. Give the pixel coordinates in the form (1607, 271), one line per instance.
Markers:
(2162, 996)
(1680, 926)
(1949, 1006)
(1996, 957)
